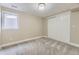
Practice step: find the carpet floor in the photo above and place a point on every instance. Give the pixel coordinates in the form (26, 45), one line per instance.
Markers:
(41, 46)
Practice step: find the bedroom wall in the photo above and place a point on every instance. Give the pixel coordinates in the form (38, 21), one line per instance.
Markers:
(0, 26)
(29, 26)
(75, 27)
(45, 27)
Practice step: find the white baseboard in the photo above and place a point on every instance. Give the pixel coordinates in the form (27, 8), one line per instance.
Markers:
(76, 45)
(73, 44)
(21, 41)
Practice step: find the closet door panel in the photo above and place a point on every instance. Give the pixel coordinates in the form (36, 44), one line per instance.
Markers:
(52, 28)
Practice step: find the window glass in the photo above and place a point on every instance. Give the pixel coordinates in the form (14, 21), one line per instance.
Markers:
(10, 21)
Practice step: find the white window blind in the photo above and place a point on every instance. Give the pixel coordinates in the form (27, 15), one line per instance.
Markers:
(10, 21)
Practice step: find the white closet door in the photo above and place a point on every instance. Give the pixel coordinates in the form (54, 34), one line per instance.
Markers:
(52, 28)
(59, 27)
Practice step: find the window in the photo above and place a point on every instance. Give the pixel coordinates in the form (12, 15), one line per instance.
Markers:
(10, 21)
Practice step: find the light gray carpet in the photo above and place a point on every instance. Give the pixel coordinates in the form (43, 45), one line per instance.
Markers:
(42, 46)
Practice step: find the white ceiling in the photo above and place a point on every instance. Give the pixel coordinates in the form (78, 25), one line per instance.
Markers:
(51, 8)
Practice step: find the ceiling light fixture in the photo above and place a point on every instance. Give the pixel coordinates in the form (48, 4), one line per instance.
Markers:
(41, 6)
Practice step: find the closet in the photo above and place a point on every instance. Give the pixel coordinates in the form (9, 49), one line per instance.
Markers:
(64, 27)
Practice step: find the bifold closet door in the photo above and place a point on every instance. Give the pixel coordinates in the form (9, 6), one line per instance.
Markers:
(52, 28)
(59, 27)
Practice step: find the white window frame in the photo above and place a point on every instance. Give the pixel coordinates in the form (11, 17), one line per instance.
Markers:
(3, 20)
